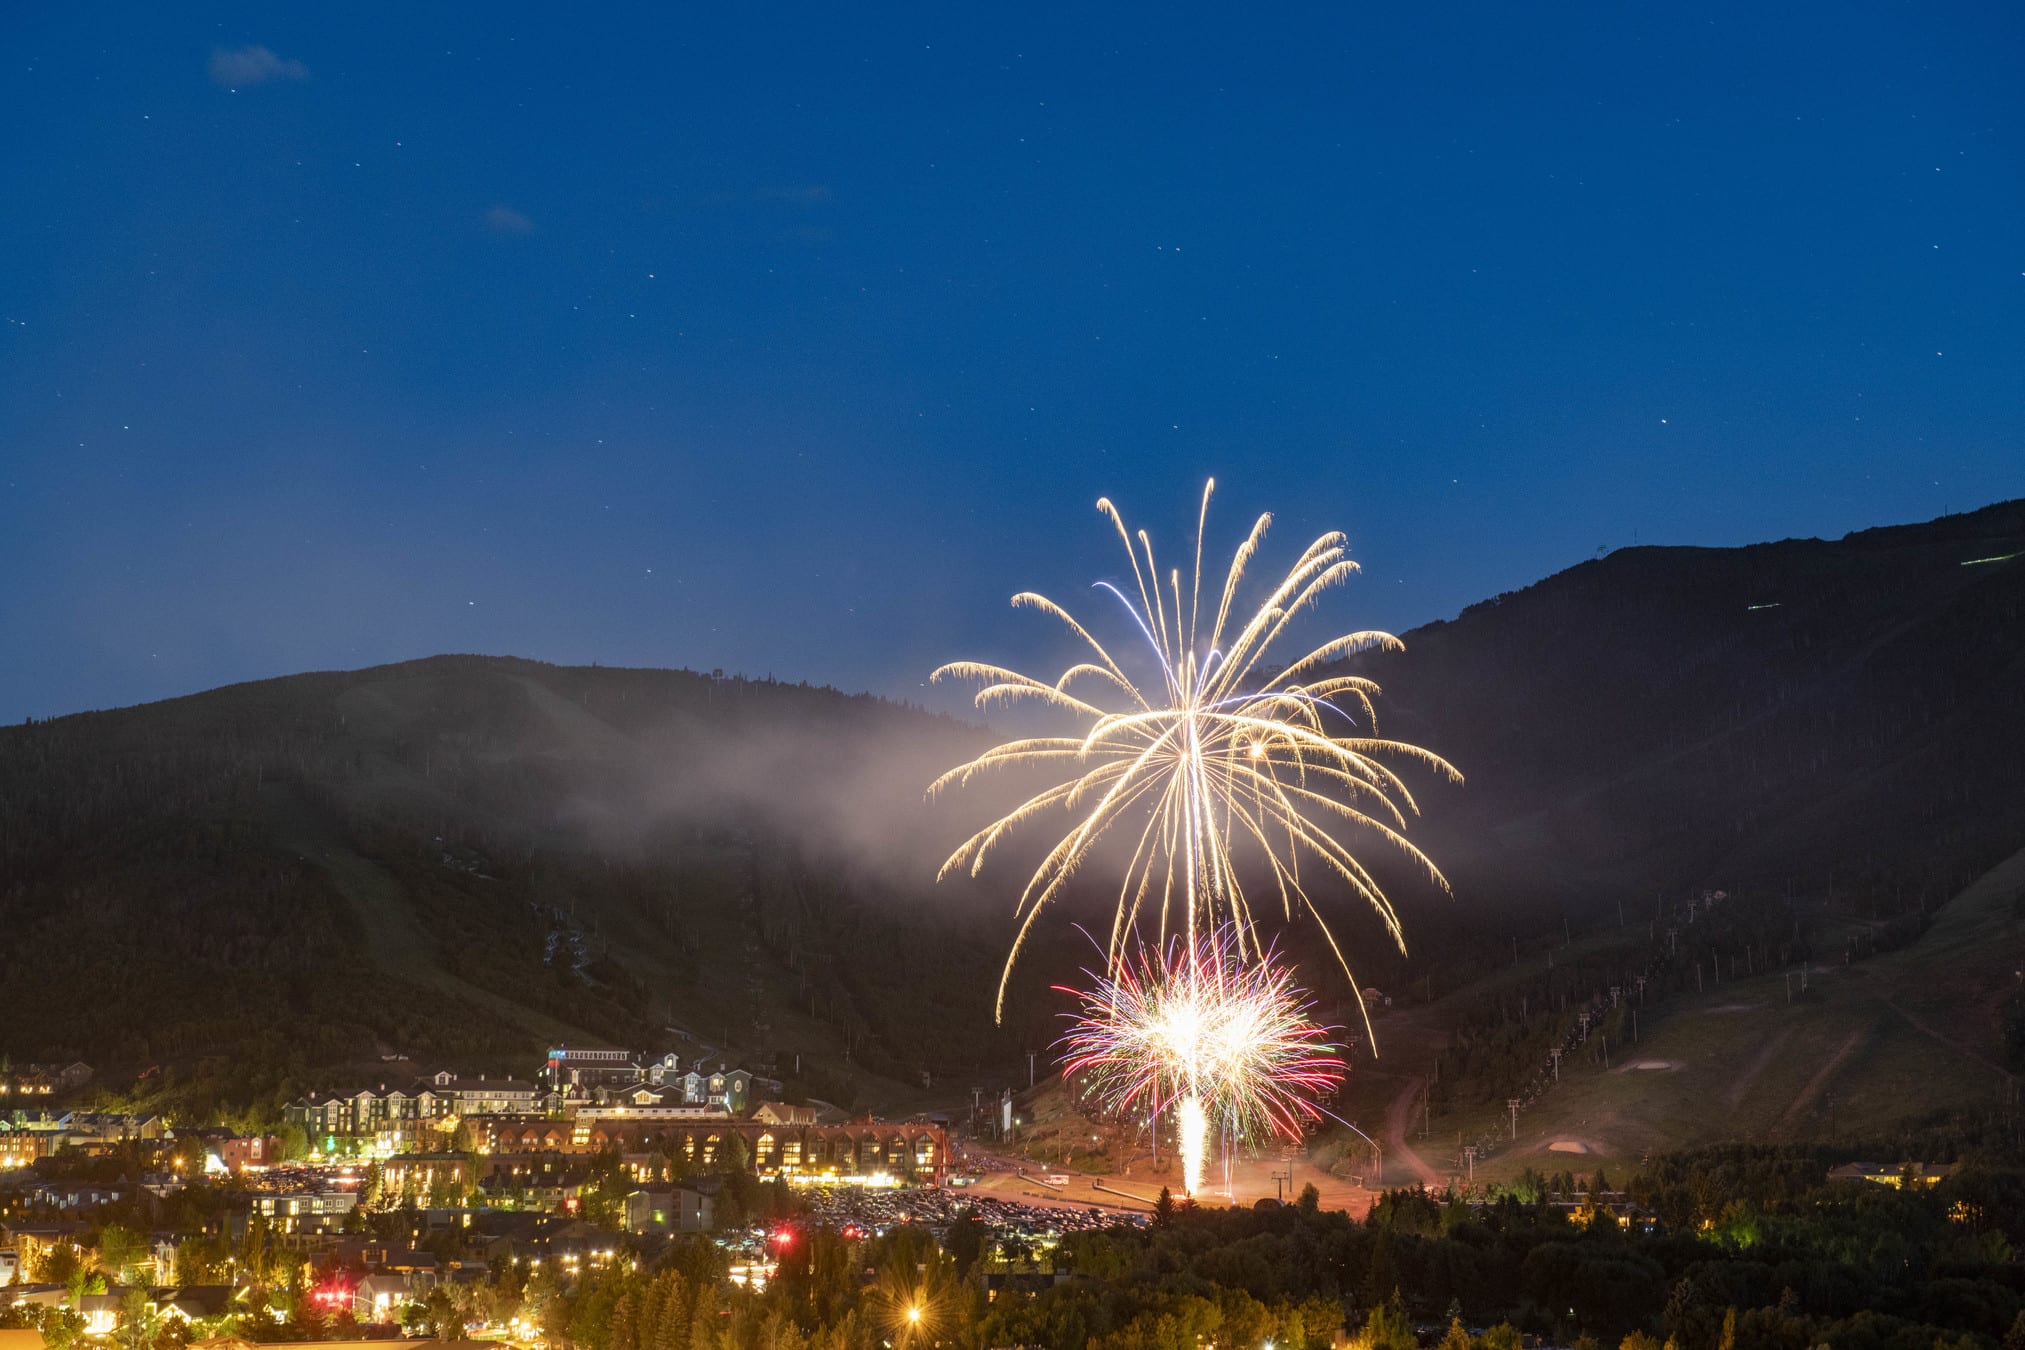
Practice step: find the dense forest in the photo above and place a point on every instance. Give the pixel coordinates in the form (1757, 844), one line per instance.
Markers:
(1732, 1249)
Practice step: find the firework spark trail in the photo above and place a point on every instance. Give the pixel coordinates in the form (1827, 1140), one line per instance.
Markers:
(1230, 1045)
(1221, 749)
(1192, 1135)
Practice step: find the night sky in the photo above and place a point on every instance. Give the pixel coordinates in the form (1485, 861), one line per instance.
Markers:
(794, 342)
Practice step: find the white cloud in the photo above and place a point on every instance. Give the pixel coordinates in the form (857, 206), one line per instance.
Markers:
(253, 65)
(506, 220)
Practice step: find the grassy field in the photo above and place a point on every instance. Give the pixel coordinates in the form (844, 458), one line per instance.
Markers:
(1869, 1049)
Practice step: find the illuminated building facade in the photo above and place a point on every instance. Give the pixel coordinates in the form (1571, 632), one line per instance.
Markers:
(891, 1150)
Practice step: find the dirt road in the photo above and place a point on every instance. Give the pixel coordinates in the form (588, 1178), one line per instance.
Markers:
(1398, 1115)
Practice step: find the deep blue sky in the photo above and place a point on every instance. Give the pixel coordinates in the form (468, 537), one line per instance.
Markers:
(796, 342)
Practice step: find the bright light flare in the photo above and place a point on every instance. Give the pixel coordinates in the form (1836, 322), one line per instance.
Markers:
(907, 1305)
(1228, 1044)
(1192, 1135)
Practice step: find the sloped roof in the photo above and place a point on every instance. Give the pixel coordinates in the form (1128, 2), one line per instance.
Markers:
(196, 1300)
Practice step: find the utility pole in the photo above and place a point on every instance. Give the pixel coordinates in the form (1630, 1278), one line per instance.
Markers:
(1030, 1068)
(1512, 1105)
(1470, 1158)
(1556, 1053)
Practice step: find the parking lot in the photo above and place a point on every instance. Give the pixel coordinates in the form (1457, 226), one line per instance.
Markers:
(876, 1210)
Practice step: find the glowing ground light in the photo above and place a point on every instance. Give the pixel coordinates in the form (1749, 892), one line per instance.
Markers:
(1230, 1046)
(910, 1309)
(1192, 1134)
(1223, 748)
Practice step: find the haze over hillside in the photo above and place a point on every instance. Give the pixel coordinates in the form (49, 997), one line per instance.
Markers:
(289, 869)
(473, 855)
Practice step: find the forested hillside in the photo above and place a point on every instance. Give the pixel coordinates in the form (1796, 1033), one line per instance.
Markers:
(1811, 717)
(467, 856)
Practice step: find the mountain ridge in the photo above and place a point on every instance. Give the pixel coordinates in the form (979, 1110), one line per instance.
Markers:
(391, 859)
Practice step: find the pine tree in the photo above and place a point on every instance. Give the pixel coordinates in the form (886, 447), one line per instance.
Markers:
(1388, 1327)
(704, 1321)
(671, 1324)
(622, 1331)
(1382, 1275)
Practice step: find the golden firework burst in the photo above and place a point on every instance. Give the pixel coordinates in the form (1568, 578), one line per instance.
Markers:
(1225, 747)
